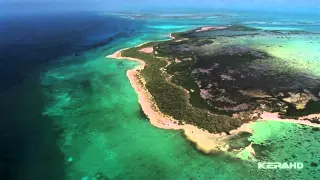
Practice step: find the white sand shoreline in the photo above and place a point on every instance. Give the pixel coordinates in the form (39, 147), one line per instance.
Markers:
(172, 37)
(205, 141)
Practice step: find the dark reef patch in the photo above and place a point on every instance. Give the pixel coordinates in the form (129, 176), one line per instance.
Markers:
(142, 114)
(239, 141)
(262, 150)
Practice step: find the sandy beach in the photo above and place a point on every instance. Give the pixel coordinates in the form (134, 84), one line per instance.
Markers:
(205, 141)
(172, 37)
(275, 117)
(207, 28)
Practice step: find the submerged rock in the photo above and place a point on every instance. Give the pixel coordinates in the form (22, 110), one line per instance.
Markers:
(101, 176)
(313, 164)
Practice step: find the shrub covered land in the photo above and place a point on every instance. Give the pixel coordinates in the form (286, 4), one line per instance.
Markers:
(172, 100)
(178, 70)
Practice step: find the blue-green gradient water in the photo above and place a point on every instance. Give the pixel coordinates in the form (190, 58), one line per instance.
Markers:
(74, 115)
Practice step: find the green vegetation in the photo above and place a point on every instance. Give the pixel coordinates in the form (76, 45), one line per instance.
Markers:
(182, 74)
(168, 83)
(173, 100)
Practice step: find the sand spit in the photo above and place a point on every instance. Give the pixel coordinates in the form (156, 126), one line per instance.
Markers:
(117, 55)
(205, 141)
(172, 37)
(204, 28)
(207, 28)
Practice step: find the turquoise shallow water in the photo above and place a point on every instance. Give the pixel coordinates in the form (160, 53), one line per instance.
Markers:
(301, 52)
(105, 134)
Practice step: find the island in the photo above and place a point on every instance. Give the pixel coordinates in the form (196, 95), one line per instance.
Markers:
(213, 81)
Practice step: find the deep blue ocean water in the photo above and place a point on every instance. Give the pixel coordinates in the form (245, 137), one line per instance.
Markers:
(32, 44)
(28, 45)
(29, 40)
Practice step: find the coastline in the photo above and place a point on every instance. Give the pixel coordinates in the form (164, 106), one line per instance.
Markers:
(266, 116)
(204, 141)
(172, 37)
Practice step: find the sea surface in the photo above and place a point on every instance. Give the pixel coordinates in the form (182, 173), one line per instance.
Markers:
(68, 112)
